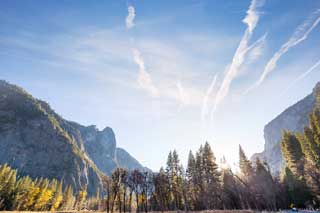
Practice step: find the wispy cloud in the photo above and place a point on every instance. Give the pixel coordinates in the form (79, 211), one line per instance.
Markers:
(130, 17)
(205, 109)
(300, 34)
(252, 17)
(107, 55)
(144, 78)
(251, 21)
(300, 77)
(183, 96)
(255, 50)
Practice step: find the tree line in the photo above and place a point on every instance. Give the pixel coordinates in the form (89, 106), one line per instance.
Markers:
(202, 185)
(23, 193)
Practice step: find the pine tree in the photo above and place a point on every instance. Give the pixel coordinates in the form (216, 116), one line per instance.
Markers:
(211, 178)
(245, 165)
(174, 172)
(8, 178)
(25, 194)
(22, 193)
(199, 186)
(296, 189)
(32, 195)
(191, 167)
(310, 144)
(68, 200)
(294, 174)
(265, 187)
(246, 180)
(162, 190)
(44, 195)
(57, 196)
(310, 141)
(230, 192)
(191, 176)
(81, 198)
(292, 153)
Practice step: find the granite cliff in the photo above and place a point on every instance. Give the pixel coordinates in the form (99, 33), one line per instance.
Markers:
(294, 119)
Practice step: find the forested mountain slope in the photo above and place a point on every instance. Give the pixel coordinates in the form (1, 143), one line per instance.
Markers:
(40, 143)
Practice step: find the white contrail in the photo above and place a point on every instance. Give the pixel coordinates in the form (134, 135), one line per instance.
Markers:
(205, 109)
(144, 79)
(251, 21)
(252, 16)
(300, 77)
(300, 34)
(130, 17)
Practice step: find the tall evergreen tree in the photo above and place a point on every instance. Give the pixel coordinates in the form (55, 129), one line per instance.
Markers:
(8, 178)
(310, 141)
(230, 193)
(245, 164)
(44, 195)
(162, 190)
(81, 199)
(297, 192)
(57, 196)
(310, 144)
(174, 172)
(199, 187)
(293, 174)
(246, 179)
(211, 178)
(191, 175)
(191, 167)
(292, 153)
(265, 187)
(68, 199)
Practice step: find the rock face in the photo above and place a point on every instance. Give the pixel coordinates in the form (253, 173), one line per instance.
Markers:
(124, 159)
(294, 118)
(101, 148)
(40, 143)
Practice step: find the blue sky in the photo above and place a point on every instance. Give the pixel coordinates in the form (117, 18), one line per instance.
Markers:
(165, 74)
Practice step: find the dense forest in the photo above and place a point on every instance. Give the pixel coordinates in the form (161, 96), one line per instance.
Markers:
(202, 185)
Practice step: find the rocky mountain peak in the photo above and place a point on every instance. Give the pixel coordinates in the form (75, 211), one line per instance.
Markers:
(316, 94)
(317, 87)
(108, 136)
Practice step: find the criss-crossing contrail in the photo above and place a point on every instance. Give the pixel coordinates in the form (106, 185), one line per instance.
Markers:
(205, 109)
(300, 34)
(300, 77)
(251, 20)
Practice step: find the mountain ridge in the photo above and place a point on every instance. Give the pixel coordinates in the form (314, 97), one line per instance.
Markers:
(40, 143)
